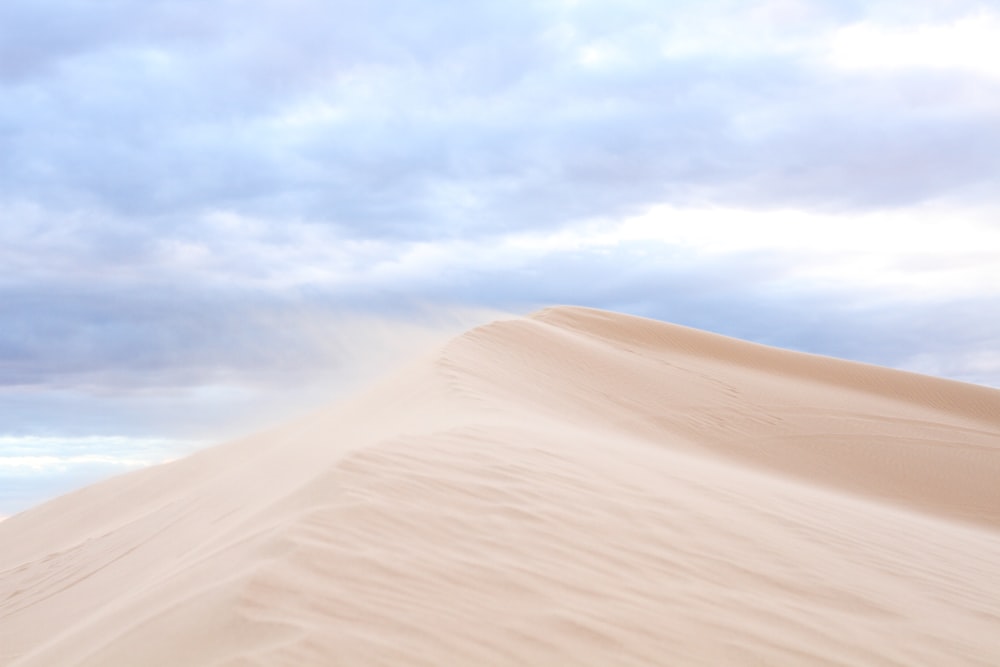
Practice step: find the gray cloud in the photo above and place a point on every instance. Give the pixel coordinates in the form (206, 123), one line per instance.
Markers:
(388, 122)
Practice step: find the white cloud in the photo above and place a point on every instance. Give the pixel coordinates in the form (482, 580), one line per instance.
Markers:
(726, 230)
(47, 464)
(927, 252)
(970, 43)
(29, 455)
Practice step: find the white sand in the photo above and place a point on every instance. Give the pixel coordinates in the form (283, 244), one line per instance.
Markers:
(573, 488)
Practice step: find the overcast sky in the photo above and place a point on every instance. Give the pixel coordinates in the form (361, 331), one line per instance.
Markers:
(216, 208)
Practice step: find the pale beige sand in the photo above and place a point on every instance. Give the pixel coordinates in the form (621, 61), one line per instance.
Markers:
(572, 488)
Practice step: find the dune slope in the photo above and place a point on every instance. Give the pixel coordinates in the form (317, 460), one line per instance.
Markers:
(575, 487)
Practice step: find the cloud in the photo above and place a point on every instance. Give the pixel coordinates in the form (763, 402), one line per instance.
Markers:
(967, 43)
(387, 123)
(32, 454)
(33, 468)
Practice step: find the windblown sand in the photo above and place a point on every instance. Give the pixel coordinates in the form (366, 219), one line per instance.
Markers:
(572, 488)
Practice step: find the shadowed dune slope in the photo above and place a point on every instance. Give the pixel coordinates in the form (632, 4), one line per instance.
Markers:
(574, 487)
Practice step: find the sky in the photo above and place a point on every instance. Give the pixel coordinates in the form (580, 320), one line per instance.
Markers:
(216, 213)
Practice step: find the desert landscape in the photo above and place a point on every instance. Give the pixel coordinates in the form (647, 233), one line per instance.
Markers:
(574, 487)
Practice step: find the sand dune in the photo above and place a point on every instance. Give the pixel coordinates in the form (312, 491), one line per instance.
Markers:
(572, 488)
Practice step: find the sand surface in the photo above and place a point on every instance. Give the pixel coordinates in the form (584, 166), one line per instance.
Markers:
(571, 488)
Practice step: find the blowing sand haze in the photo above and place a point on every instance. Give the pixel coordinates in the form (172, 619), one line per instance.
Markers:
(572, 488)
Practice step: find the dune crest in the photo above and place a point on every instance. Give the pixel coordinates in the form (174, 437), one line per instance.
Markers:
(574, 487)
